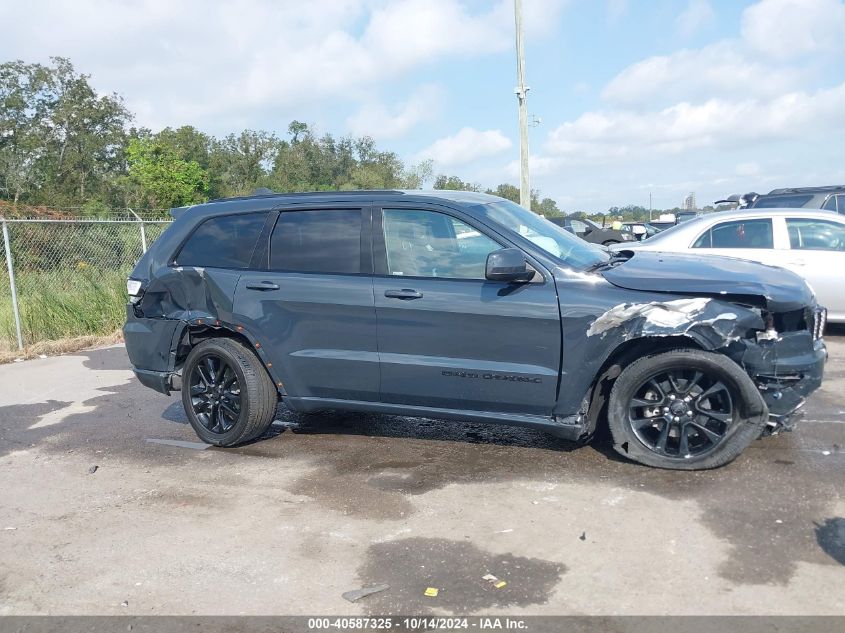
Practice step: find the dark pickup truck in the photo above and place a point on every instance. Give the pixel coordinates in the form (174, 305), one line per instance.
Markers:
(465, 306)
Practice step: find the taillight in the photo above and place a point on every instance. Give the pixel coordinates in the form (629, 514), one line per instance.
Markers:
(819, 321)
(135, 289)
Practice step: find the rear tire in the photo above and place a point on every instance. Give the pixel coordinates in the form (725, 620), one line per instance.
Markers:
(684, 410)
(228, 396)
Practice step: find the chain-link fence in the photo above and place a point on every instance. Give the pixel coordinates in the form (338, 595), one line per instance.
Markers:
(67, 277)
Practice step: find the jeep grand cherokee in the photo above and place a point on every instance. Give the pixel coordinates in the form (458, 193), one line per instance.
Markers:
(465, 306)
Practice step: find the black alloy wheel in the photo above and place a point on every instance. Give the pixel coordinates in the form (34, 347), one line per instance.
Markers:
(228, 395)
(215, 393)
(681, 413)
(684, 409)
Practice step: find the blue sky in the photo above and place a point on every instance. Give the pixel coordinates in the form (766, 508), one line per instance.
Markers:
(635, 97)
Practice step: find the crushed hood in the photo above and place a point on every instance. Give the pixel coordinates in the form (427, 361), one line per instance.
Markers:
(774, 288)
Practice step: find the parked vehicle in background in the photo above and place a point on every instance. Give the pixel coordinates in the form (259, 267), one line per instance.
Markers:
(640, 230)
(684, 216)
(460, 305)
(661, 225)
(809, 243)
(827, 198)
(592, 232)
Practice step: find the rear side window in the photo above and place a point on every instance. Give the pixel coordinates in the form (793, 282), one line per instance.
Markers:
(326, 242)
(815, 235)
(738, 234)
(223, 242)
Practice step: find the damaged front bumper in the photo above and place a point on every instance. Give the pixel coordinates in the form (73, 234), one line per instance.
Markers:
(786, 370)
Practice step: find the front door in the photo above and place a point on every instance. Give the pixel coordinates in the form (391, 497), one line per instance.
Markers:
(312, 308)
(448, 338)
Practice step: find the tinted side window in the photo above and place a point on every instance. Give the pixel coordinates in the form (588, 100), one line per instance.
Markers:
(317, 242)
(738, 234)
(830, 205)
(431, 244)
(772, 202)
(815, 235)
(578, 226)
(223, 242)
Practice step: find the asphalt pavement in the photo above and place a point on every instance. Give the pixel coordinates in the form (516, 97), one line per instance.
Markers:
(109, 505)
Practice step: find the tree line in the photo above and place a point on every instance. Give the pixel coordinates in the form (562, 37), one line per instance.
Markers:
(63, 145)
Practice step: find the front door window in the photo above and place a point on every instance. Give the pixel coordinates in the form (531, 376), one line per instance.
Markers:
(432, 244)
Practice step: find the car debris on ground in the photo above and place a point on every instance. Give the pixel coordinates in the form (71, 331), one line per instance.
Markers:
(357, 594)
(493, 580)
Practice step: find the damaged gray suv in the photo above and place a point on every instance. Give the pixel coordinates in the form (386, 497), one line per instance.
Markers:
(465, 306)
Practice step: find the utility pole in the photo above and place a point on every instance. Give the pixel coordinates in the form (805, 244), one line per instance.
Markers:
(649, 206)
(522, 96)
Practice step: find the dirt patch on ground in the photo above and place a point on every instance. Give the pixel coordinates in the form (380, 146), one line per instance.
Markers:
(62, 346)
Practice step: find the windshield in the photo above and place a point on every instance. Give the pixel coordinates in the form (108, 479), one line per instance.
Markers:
(557, 242)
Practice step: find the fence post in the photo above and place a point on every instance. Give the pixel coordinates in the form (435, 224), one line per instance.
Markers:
(11, 268)
(143, 233)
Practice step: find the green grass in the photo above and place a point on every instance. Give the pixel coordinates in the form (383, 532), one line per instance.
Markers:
(64, 303)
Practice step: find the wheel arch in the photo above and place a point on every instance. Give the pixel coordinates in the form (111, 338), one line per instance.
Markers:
(618, 359)
(203, 329)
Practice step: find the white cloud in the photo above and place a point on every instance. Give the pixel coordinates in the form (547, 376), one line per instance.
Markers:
(465, 147)
(381, 122)
(750, 168)
(752, 112)
(698, 15)
(721, 69)
(783, 29)
(538, 164)
(685, 126)
(760, 63)
(218, 64)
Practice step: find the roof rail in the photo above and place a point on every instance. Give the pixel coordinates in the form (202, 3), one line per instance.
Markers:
(776, 192)
(269, 193)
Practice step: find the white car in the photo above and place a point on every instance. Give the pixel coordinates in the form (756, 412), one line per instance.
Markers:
(809, 243)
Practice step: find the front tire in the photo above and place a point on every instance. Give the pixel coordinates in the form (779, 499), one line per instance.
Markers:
(684, 410)
(228, 397)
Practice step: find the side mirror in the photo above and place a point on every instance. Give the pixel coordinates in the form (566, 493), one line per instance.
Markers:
(509, 265)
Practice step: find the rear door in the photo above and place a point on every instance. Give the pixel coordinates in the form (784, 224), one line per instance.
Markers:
(310, 303)
(817, 253)
(449, 338)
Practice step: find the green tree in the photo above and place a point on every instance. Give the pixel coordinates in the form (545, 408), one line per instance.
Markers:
(162, 178)
(243, 160)
(415, 176)
(546, 206)
(87, 136)
(24, 105)
(454, 183)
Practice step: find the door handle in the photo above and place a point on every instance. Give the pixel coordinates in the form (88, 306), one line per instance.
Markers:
(262, 285)
(405, 293)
